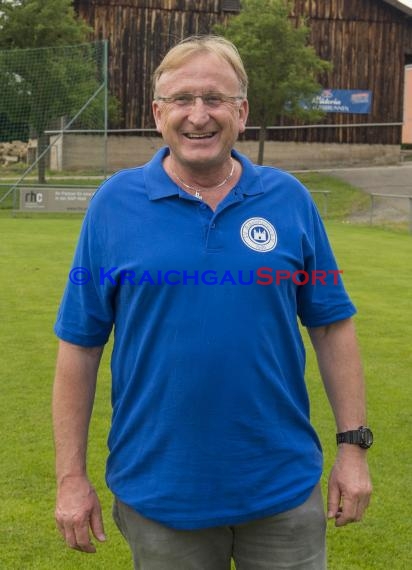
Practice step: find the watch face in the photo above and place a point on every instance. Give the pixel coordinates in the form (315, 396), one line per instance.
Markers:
(366, 437)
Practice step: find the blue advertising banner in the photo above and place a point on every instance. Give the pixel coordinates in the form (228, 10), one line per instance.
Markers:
(343, 101)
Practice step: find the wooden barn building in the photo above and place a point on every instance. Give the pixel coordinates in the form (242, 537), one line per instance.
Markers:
(369, 43)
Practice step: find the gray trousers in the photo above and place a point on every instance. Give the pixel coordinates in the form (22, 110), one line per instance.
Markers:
(294, 539)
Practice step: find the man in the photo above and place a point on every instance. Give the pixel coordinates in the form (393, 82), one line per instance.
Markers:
(202, 263)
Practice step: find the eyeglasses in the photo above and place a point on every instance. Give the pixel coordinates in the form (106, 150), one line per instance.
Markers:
(211, 100)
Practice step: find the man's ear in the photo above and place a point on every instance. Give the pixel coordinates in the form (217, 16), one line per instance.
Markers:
(157, 114)
(243, 115)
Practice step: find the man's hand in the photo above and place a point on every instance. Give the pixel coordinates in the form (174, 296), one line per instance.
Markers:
(78, 510)
(350, 486)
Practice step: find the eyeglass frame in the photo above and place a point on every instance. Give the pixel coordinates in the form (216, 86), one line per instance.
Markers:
(191, 99)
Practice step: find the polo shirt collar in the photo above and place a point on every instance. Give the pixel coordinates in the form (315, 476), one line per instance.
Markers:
(159, 184)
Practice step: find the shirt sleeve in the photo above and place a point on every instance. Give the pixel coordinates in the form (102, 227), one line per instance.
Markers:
(85, 315)
(323, 299)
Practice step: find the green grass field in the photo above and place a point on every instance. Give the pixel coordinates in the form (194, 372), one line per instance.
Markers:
(35, 254)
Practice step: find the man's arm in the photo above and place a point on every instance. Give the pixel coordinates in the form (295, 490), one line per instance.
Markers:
(339, 363)
(77, 505)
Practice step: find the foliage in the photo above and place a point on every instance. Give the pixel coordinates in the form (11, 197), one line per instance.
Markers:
(40, 23)
(282, 67)
(54, 78)
(43, 84)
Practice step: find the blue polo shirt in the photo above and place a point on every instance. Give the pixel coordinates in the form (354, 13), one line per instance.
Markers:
(210, 421)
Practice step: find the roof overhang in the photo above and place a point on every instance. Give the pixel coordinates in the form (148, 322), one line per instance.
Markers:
(400, 6)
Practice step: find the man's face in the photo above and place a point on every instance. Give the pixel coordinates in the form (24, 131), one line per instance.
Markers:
(198, 135)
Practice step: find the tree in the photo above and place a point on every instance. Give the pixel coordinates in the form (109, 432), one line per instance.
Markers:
(40, 23)
(281, 66)
(51, 80)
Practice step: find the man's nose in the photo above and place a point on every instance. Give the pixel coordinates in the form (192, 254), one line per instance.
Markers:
(199, 112)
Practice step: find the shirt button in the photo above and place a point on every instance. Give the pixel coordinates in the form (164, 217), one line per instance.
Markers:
(212, 226)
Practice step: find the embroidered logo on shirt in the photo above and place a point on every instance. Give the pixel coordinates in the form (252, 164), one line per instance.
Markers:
(258, 234)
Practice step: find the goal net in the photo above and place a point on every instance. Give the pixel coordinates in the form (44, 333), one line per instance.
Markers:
(46, 95)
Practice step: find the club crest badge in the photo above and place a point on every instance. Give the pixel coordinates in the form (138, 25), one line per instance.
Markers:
(258, 234)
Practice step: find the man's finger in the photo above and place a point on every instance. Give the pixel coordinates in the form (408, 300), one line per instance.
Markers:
(333, 502)
(96, 524)
(362, 506)
(70, 537)
(83, 542)
(349, 511)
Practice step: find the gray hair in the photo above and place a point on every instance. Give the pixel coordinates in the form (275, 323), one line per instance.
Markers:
(193, 45)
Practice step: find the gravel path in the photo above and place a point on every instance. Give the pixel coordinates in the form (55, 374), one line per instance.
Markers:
(392, 180)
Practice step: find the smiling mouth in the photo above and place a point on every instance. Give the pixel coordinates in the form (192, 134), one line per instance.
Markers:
(199, 136)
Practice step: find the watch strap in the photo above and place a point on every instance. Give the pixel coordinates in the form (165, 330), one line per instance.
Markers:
(354, 437)
(361, 436)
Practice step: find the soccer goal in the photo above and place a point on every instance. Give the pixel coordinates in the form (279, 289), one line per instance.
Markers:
(48, 95)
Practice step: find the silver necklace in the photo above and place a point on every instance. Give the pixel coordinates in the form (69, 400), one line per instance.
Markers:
(197, 190)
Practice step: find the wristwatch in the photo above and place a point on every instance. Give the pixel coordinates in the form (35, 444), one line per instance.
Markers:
(362, 436)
